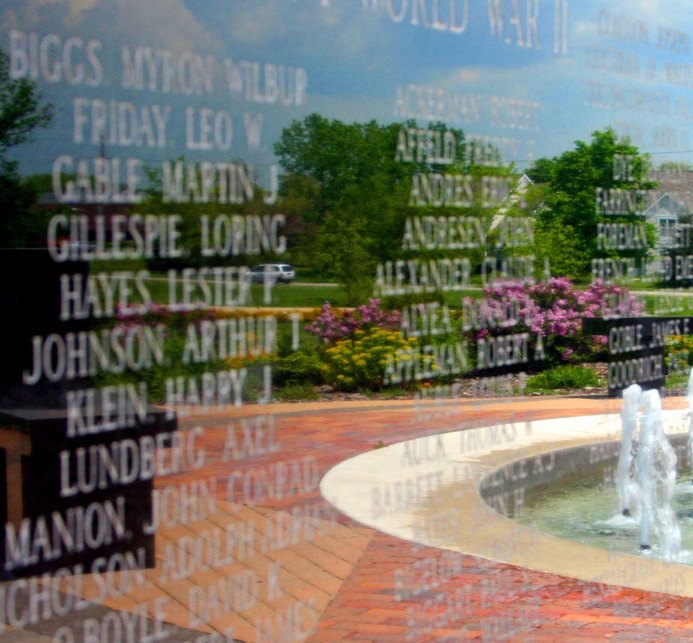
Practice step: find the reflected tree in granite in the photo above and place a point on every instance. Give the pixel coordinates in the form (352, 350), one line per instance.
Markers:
(22, 112)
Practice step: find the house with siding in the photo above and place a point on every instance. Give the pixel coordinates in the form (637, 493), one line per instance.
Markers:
(670, 204)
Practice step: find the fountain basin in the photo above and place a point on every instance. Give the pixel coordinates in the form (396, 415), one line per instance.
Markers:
(447, 490)
(564, 467)
(585, 508)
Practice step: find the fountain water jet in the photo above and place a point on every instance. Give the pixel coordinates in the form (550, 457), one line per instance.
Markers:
(656, 479)
(627, 491)
(689, 397)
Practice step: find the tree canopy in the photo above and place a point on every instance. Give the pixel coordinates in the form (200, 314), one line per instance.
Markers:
(21, 112)
(21, 108)
(351, 186)
(570, 183)
(342, 181)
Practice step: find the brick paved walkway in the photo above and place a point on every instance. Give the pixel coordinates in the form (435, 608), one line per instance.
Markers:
(314, 570)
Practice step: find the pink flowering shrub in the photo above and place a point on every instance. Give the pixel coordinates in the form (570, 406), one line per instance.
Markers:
(553, 309)
(331, 326)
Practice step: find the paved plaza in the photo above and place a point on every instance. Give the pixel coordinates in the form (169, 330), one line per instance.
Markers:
(318, 571)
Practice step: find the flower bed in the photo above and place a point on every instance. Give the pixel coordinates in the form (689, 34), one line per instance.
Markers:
(554, 310)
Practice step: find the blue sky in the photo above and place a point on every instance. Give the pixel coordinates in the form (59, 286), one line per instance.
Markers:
(357, 53)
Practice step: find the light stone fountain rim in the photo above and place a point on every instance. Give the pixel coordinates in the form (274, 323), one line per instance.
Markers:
(353, 485)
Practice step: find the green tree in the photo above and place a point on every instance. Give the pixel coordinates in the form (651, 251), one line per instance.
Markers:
(350, 186)
(570, 183)
(342, 182)
(21, 108)
(22, 111)
(191, 214)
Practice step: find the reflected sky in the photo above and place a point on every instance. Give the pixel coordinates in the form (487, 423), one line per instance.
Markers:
(534, 75)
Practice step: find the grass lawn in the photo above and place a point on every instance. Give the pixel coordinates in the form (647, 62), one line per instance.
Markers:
(312, 295)
(298, 295)
(315, 294)
(667, 303)
(283, 296)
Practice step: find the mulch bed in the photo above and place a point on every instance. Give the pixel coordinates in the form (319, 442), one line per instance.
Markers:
(472, 387)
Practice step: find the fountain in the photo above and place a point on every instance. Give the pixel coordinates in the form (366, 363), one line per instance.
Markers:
(645, 479)
(562, 494)
(655, 466)
(689, 397)
(646, 482)
(627, 491)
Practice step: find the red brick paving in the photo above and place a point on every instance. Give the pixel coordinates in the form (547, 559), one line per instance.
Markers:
(484, 600)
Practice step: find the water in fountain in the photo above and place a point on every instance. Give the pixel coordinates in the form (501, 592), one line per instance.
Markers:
(627, 489)
(646, 485)
(655, 466)
(689, 397)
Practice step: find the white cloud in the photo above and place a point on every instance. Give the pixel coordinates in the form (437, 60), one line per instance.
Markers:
(158, 23)
(327, 32)
(467, 75)
(259, 25)
(675, 14)
(355, 58)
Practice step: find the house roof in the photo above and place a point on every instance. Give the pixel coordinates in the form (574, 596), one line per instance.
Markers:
(666, 204)
(676, 183)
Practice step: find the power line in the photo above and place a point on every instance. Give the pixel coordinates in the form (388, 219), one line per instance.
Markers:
(648, 153)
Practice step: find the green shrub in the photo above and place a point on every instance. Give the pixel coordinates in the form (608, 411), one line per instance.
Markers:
(678, 353)
(393, 393)
(291, 392)
(301, 367)
(174, 328)
(564, 377)
(676, 381)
